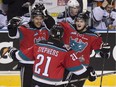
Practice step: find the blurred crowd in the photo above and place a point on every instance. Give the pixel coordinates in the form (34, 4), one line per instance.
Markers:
(103, 15)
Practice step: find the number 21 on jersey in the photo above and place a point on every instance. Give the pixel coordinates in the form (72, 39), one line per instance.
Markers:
(42, 58)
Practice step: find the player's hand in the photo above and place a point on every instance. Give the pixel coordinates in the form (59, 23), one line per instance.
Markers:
(92, 75)
(5, 50)
(15, 22)
(39, 6)
(105, 50)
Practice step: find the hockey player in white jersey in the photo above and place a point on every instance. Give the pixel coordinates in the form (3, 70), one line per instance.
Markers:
(73, 9)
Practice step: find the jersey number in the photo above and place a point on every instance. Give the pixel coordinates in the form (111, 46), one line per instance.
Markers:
(41, 57)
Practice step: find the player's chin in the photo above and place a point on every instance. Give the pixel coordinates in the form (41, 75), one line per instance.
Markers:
(79, 28)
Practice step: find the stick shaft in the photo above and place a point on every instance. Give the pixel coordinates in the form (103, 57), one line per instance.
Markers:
(77, 80)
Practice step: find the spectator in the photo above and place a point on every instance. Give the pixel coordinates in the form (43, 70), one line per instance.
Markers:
(113, 15)
(3, 20)
(103, 16)
(15, 8)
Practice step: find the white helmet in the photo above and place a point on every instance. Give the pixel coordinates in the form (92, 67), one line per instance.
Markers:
(73, 3)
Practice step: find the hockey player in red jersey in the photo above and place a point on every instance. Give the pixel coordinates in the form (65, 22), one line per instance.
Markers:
(82, 40)
(28, 35)
(51, 58)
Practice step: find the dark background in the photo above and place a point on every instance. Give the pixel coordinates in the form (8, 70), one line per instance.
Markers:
(96, 62)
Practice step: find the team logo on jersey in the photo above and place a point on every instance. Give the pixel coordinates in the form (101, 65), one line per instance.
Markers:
(77, 46)
(37, 40)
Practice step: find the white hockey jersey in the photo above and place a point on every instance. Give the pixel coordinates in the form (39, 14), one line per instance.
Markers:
(98, 17)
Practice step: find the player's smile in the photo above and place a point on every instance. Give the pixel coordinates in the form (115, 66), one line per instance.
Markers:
(38, 21)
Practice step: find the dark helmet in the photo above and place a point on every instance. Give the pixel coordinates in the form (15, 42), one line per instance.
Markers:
(35, 13)
(83, 16)
(57, 31)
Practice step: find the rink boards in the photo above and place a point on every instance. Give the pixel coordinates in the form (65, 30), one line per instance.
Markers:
(12, 79)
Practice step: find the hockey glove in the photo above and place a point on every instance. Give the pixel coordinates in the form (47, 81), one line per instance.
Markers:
(39, 6)
(14, 22)
(105, 51)
(92, 75)
(10, 50)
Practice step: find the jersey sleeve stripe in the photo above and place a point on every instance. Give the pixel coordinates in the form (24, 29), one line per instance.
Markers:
(46, 78)
(75, 68)
(20, 56)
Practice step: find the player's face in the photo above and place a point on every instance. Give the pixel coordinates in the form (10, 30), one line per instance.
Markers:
(38, 20)
(74, 11)
(80, 24)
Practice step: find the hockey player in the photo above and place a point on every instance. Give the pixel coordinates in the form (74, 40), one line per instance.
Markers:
(40, 6)
(51, 58)
(70, 14)
(83, 41)
(28, 35)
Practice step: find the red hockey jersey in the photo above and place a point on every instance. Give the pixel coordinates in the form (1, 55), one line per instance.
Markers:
(50, 61)
(28, 37)
(82, 43)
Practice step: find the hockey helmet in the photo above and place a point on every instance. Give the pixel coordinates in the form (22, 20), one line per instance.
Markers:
(35, 13)
(73, 3)
(57, 31)
(84, 16)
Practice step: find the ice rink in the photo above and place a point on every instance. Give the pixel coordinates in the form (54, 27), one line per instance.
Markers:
(12, 79)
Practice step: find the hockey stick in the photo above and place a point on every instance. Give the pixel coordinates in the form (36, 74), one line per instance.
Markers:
(84, 5)
(66, 11)
(103, 61)
(77, 80)
(107, 37)
(28, 4)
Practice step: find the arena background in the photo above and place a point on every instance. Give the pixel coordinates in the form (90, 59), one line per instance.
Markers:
(10, 77)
